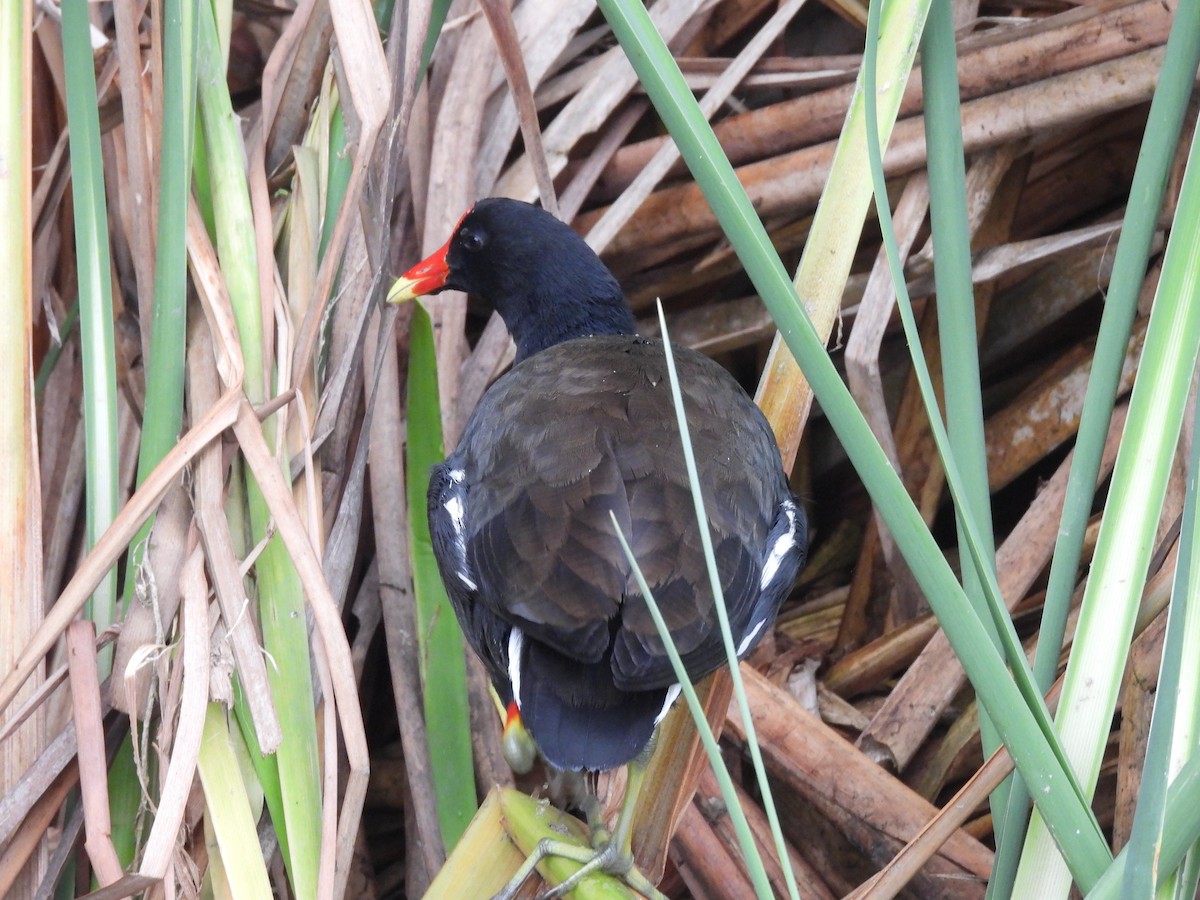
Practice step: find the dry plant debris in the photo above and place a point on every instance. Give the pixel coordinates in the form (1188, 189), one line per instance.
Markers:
(1054, 97)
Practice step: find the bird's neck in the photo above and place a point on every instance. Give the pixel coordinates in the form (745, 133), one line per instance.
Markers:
(549, 321)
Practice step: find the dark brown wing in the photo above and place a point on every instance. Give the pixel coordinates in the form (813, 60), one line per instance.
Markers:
(587, 428)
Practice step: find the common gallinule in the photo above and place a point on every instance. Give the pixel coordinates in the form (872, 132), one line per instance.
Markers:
(583, 425)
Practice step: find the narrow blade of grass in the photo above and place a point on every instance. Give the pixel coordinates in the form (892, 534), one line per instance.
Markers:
(95, 300)
(163, 415)
(229, 808)
(437, 18)
(758, 875)
(162, 418)
(956, 319)
(739, 689)
(1186, 590)
(1172, 728)
(1181, 831)
(442, 663)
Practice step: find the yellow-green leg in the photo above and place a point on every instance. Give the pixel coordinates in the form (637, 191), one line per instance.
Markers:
(612, 854)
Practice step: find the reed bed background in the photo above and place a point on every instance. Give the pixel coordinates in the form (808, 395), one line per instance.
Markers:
(227, 666)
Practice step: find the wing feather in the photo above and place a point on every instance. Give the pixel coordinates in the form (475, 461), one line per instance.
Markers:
(568, 437)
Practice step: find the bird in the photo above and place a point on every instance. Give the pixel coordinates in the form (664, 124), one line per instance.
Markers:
(579, 433)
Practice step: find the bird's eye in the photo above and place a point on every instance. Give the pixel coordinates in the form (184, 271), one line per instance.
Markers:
(471, 240)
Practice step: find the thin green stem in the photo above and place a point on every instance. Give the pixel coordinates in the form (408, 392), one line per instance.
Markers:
(956, 320)
(95, 299)
(1172, 724)
(1181, 833)
(758, 875)
(710, 559)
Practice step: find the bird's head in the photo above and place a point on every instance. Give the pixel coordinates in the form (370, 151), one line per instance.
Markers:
(538, 274)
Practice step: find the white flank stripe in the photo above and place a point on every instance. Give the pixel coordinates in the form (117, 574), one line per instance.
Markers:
(782, 545)
(454, 507)
(748, 639)
(516, 644)
(672, 696)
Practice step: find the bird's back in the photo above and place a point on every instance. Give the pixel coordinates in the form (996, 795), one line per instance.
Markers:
(523, 532)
